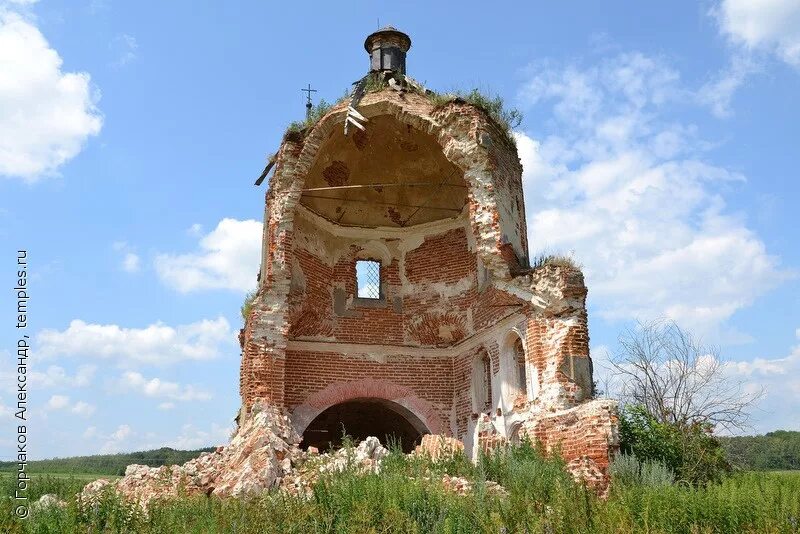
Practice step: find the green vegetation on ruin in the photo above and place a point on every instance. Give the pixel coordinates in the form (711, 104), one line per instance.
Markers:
(247, 305)
(493, 105)
(559, 260)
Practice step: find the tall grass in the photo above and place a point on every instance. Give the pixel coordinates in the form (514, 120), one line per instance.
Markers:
(407, 496)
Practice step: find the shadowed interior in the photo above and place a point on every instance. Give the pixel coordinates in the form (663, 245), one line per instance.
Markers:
(416, 183)
(361, 418)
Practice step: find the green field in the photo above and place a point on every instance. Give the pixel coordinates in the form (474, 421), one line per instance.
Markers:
(407, 496)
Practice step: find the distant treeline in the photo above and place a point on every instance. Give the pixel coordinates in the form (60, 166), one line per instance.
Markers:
(779, 450)
(107, 464)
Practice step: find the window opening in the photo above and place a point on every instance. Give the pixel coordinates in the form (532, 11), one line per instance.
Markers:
(368, 279)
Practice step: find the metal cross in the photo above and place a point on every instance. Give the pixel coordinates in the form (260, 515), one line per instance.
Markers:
(308, 99)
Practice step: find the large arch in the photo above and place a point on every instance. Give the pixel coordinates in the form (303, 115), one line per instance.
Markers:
(361, 418)
(404, 401)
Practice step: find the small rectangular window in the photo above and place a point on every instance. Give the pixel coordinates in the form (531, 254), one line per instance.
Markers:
(368, 279)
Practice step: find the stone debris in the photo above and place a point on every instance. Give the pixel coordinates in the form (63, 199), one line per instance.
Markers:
(258, 458)
(48, 500)
(263, 455)
(462, 486)
(437, 446)
(364, 458)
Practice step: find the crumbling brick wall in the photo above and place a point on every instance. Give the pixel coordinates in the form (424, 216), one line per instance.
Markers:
(453, 291)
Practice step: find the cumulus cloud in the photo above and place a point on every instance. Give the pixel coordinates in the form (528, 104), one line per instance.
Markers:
(114, 442)
(155, 387)
(628, 189)
(62, 402)
(84, 409)
(46, 115)
(228, 258)
(767, 25)
(155, 344)
(130, 261)
(780, 380)
(57, 402)
(57, 377)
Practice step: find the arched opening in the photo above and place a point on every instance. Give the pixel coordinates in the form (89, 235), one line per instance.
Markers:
(361, 418)
(391, 175)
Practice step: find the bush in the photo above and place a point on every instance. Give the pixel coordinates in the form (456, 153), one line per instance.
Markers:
(690, 451)
(627, 470)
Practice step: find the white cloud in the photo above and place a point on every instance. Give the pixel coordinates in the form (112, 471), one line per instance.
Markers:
(55, 376)
(57, 402)
(629, 191)
(117, 441)
(228, 259)
(195, 438)
(6, 412)
(154, 344)
(164, 406)
(62, 402)
(155, 387)
(46, 115)
(767, 25)
(718, 92)
(124, 47)
(131, 263)
(83, 409)
(780, 380)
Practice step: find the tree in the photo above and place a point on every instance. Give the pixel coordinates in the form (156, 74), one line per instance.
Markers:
(691, 452)
(677, 380)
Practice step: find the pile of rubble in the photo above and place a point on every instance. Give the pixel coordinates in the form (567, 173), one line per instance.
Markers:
(264, 454)
(259, 456)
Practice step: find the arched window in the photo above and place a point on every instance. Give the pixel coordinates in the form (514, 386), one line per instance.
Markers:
(519, 360)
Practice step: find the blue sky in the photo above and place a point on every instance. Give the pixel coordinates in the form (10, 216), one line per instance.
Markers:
(660, 147)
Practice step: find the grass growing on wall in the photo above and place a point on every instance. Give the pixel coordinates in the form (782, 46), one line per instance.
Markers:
(407, 496)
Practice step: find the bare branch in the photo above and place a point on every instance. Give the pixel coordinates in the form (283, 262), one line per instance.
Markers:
(678, 379)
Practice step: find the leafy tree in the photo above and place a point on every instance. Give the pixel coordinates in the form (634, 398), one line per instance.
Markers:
(691, 451)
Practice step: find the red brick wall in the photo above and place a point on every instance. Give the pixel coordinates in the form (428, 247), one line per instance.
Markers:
(428, 378)
(584, 435)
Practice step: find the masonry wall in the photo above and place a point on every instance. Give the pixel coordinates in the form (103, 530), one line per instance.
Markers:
(454, 290)
(423, 384)
(430, 288)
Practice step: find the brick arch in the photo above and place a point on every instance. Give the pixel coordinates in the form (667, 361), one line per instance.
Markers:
(458, 129)
(367, 388)
(467, 139)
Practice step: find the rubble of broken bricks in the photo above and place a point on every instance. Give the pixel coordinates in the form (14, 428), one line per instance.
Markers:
(263, 455)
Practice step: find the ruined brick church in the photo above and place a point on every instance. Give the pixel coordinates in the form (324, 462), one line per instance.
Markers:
(396, 297)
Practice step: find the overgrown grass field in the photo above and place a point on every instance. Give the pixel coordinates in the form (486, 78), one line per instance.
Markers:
(407, 496)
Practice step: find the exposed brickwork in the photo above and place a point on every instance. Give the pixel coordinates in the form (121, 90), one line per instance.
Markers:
(586, 436)
(454, 289)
